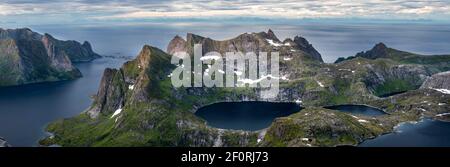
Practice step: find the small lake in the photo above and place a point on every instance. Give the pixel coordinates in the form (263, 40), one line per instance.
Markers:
(391, 94)
(426, 133)
(245, 115)
(357, 109)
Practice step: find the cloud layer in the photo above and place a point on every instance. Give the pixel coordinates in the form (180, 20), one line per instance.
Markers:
(118, 10)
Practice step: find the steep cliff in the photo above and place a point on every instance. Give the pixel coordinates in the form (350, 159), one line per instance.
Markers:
(438, 81)
(29, 57)
(254, 42)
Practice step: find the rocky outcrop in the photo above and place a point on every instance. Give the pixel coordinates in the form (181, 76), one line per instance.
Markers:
(438, 81)
(3, 143)
(381, 77)
(254, 42)
(380, 50)
(29, 57)
(334, 128)
(137, 78)
(74, 50)
(177, 44)
(305, 46)
(110, 96)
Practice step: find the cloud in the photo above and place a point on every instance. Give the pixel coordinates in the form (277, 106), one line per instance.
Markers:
(290, 9)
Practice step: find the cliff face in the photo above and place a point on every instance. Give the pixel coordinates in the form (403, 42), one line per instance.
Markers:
(438, 81)
(29, 57)
(254, 42)
(137, 105)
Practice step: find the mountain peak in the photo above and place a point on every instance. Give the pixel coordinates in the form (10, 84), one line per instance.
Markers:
(177, 44)
(380, 50)
(270, 32)
(246, 42)
(380, 46)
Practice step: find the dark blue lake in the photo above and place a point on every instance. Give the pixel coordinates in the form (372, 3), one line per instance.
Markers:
(245, 115)
(357, 109)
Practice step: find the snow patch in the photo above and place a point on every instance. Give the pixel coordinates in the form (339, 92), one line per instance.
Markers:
(305, 139)
(271, 42)
(238, 73)
(287, 58)
(250, 81)
(444, 91)
(320, 84)
(221, 71)
(363, 121)
(210, 58)
(298, 101)
(131, 87)
(117, 112)
(443, 114)
(441, 104)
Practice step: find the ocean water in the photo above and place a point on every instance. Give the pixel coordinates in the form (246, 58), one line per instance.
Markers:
(331, 40)
(426, 133)
(26, 110)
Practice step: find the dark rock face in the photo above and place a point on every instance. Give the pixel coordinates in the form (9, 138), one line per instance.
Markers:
(254, 42)
(380, 50)
(305, 46)
(29, 57)
(177, 44)
(415, 75)
(3, 143)
(138, 77)
(74, 50)
(438, 81)
(110, 94)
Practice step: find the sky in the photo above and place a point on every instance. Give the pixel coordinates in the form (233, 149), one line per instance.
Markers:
(43, 12)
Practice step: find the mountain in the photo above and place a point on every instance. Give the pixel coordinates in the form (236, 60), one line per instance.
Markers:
(29, 57)
(254, 42)
(380, 50)
(137, 105)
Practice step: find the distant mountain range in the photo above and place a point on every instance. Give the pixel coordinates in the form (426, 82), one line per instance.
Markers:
(29, 57)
